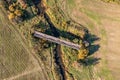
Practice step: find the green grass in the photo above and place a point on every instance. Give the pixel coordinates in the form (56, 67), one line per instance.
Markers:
(70, 54)
(75, 73)
(91, 26)
(91, 14)
(83, 74)
(105, 73)
(71, 3)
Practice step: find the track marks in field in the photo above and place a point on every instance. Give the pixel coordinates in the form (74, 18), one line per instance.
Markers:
(23, 74)
(17, 59)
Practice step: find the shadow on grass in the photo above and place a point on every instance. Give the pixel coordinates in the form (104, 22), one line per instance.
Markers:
(64, 34)
(93, 48)
(91, 39)
(89, 61)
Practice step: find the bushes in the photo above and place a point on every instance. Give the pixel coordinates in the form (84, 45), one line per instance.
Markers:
(16, 9)
(82, 54)
(15, 12)
(11, 16)
(18, 13)
(12, 8)
(23, 3)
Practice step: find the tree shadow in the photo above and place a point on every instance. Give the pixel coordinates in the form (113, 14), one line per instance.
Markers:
(89, 61)
(32, 10)
(93, 48)
(91, 38)
(67, 35)
(36, 2)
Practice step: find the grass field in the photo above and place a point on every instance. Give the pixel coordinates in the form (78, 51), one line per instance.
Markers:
(101, 19)
(16, 58)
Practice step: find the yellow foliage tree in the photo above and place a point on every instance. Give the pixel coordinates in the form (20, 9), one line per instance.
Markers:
(11, 8)
(15, 4)
(18, 13)
(11, 16)
(23, 3)
(82, 53)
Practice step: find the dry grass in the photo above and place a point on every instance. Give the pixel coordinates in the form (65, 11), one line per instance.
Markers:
(105, 23)
(16, 55)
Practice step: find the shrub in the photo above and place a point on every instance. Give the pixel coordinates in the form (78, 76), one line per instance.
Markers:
(18, 13)
(11, 16)
(23, 3)
(11, 8)
(82, 54)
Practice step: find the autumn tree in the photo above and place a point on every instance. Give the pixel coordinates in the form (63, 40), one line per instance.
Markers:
(23, 3)
(11, 16)
(15, 12)
(82, 54)
(18, 13)
(11, 8)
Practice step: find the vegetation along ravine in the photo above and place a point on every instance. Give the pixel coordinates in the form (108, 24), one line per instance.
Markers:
(57, 51)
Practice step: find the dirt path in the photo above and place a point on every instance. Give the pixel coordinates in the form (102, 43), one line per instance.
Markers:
(24, 73)
(106, 21)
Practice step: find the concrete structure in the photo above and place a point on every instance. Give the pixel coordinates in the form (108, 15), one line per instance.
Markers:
(57, 40)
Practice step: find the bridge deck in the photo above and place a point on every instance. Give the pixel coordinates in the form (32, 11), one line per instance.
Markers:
(56, 40)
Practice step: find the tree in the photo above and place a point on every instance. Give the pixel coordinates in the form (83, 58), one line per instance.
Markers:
(11, 16)
(18, 13)
(11, 8)
(23, 3)
(82, 54)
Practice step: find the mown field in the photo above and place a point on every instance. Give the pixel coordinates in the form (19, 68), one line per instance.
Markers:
(102, 19)
(16, 57)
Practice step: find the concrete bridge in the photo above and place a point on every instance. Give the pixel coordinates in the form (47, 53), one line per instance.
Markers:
(57, 40)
